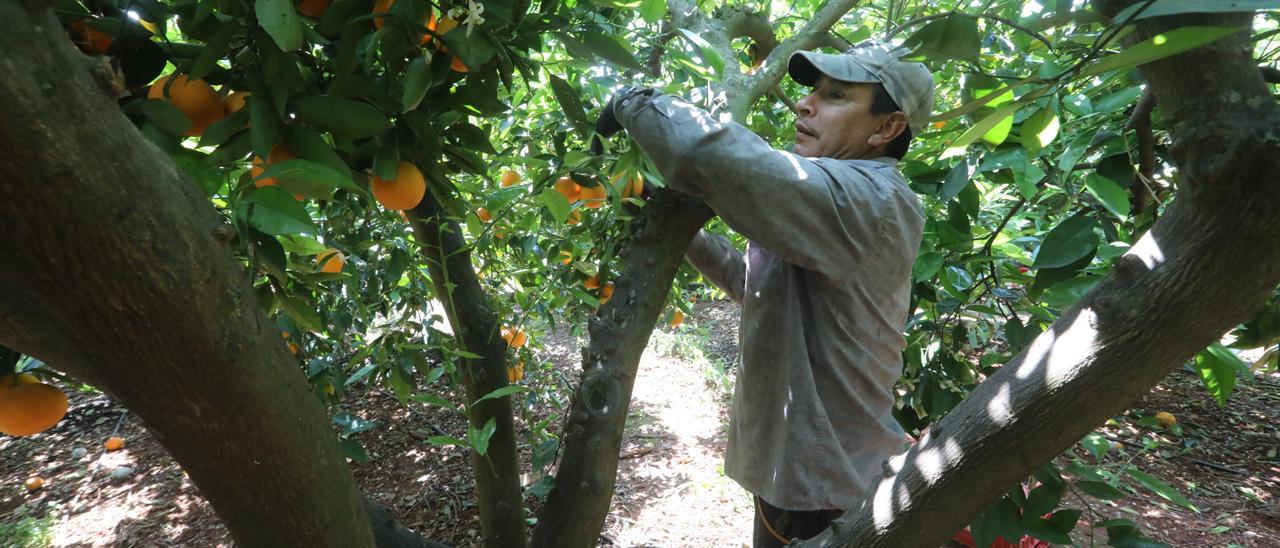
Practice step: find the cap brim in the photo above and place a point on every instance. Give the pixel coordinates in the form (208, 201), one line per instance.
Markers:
(805, 67)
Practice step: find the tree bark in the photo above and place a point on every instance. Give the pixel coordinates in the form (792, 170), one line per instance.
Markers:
(116, 269)
(576, 508)
(498, 490)
(1202, 268)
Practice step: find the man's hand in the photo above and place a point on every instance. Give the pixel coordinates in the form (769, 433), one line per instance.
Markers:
(607, 124)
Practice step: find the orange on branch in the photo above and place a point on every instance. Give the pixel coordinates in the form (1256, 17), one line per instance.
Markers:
(195, 98)
(566, 257)
(631, 187)
(514, 374)
(31, 408)
(234, 102)
(566, 186)
(606, 293)
(428, 20)
(677, 318)
(591, 283)
(446, 24)
(457, 65)
(515, 337)
(484, 215)
(278, 154)
(114, 443)
(313, 8)
(10, 381)
(593, 196)
(404, 191)
(89, 39)
(575, 217)
(330, 261)
(510, 178)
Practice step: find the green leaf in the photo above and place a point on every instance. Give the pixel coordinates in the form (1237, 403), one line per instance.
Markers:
(1039, 129)
(213, 50)
(570, 104)
(386, 162)
(709, 53)
(471, 136)
(1158, 47)
(474, 50)
(983, 100)
(957, 179)
(980, 129)
(1161, 488)
(1100, 490)
(480, 438)
(653, 10)
(1218, 366)
(1000, 132)
(308, 177)
(417, 79)
(1041, 500)
(952, 37)
(345, 118)
(281, 21)
(166, 116)
(611, 50)
(556, 203)
(1112, 196)
(218, 132)
(502, 393)
(1001, 520)
(1067, 243)
(1118, 100)
(927, 264)
(1171, 7)
(301, 313)
(275, 211)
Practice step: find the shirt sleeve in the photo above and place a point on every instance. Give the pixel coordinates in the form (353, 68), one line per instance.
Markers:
(817, 214)
(719, 262)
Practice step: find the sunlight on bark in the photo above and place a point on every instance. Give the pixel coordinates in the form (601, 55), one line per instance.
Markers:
(1061, 352)
(998, 409)
(1148, 251)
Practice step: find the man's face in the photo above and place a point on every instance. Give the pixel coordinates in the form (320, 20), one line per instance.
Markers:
(835, 121)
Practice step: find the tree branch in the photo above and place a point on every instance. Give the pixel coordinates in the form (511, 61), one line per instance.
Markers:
(775, 65)
(1142, 186)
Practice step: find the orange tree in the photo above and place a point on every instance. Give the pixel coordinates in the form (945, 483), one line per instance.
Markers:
(269, 253)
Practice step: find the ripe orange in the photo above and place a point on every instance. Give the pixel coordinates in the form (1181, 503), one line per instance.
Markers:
(592, 282)
(89, 39)
(429, 21)
(31, 408)
(195, 98)
(939, 125)
(575, 217)
(404, 191)
(515, 337)
(514, 374)
(446, 24)
(606, 293)
(114, 443)
(313, 8)
(235, 101)
(593, 196)
(484, 215)
(34, 482)
(284, 334)
(10, 381)
(566, 257)
(457, 65)
(331, 261)
(1166, 419)
(566, 186)
(293, 348)
(278, 154)
(632, 187)
(510, 178)
(677, 318)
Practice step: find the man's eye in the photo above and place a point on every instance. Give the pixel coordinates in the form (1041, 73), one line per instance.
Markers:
(833, 95)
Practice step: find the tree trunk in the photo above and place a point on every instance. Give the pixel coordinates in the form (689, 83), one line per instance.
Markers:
(117, 270)
(471, 315)
(576, 508)
(1201, 269)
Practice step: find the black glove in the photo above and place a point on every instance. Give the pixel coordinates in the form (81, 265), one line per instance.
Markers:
(607, 124)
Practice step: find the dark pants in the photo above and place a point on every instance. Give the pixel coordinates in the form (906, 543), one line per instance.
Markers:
(772, 523)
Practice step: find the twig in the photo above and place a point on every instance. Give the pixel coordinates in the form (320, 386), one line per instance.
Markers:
(1140, 123)
(1204, 463)
(989, 16)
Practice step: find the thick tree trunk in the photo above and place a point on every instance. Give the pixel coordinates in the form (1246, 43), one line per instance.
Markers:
(117, 271)
(575, 510)
(1204, 267)
(498, 489)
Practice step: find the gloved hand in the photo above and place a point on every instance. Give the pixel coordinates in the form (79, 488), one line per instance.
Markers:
(607, 124)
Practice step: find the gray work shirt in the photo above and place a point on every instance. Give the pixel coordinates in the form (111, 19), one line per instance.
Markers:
(824, 288)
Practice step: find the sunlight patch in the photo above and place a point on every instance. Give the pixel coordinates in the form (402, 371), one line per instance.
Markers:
(1148, 251)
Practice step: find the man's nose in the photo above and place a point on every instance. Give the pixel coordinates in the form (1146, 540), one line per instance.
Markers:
(804, 106)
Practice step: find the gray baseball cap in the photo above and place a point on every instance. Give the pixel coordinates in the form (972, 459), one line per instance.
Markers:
(871, 61)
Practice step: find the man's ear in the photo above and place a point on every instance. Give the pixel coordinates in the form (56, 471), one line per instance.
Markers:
(889, 128)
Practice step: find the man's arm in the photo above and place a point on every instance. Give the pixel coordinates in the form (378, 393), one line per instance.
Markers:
(793, 206)
(719, 262)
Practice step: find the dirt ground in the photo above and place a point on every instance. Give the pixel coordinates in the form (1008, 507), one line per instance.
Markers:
(671, 488)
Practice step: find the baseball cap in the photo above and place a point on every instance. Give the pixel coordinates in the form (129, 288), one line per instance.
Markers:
(871, 61)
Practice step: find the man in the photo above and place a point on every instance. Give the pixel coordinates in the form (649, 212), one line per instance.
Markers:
(824, 284)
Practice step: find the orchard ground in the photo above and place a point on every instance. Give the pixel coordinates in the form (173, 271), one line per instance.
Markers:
(671, 488)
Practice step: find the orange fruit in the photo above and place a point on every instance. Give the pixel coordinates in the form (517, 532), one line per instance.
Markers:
(575, 217)
(278, 154)
(404, 191)
(114, 443)
(10, 381)
(284, 334)
(939, 125)
(514, 374)
(313, 8)
(34, 482)
(293, 348)
(235, 101)
(515, 337)
(457, 65)
(31, 408)
(446, 24)
(592, 282)
(566, 257)
(331, 261)
(631, 187)
(606, 293)
(195, 98)
(677, 318)
(89, 39)
(593, 196)
(1166, 419)
(510, 178)
(428, 21)
(566, 186)
(484, 215)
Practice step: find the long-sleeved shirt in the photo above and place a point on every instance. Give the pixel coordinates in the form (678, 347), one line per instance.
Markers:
(824, 288)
